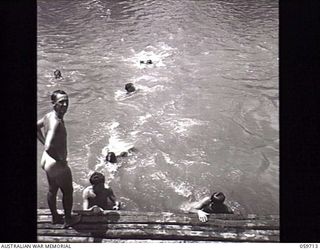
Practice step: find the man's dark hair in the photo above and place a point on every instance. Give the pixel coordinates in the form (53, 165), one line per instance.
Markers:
(55, 93)
(111, 157)
(57, 73)
(96, 178)
(129, 87)
(218, 197)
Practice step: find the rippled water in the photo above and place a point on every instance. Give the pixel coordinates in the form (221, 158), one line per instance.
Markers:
(205, 116)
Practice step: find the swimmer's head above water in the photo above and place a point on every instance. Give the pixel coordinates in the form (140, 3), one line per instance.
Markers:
(97, 178)
(57, 74)
(111, 157)
(218, 198)
(97, 181)
(129, 87)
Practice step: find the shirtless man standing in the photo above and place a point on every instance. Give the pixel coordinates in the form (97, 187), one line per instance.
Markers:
(54, 158)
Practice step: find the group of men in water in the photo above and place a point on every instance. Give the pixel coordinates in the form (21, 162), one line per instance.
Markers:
(99, 194)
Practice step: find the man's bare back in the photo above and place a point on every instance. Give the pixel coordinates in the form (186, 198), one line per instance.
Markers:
(54, 163)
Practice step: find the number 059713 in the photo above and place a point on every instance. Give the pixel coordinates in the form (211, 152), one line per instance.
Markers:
(305, 245)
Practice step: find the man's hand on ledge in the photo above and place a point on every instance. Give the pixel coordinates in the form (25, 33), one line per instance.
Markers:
(116, 206)
(202, 216)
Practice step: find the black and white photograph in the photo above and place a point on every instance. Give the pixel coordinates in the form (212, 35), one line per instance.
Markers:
(157, 121)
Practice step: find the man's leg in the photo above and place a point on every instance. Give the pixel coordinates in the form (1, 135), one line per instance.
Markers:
(52, 200)
(65, 184)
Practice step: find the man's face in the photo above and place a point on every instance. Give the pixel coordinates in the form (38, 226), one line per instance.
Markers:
(61, 104)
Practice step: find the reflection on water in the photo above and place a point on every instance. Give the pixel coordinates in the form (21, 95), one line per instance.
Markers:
(205, 116)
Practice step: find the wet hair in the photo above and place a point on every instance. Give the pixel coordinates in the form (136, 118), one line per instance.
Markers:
(111, 157)
(129, 87)
(55, 93)
(57, 73)
(97, 178)
(218, 197)
(149, 61)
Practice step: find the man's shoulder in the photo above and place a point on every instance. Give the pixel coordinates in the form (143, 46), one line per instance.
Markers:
(227, 209)
(88, 188)
(52, 119)
(106, 186)
(206, 200)
(87, 192)
(108, 189)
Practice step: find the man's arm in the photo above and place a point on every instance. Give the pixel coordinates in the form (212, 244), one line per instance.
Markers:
(196, 208)
(114, 200)
(48, 145)
(199, 205)
(85, 204)
(40, 135)
(87, 192)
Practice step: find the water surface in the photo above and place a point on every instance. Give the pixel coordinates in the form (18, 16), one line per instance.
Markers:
(205, 116)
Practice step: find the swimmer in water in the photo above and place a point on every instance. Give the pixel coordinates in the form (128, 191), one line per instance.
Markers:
(112, 158)
(149, 61)
(57, 74)
(210, 205)
(129, 87)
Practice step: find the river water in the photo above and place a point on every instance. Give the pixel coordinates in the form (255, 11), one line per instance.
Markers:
(204, 118)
